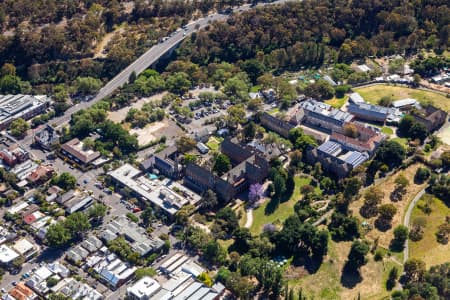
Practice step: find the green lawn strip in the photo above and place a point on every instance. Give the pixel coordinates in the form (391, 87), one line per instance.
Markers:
(387, 130)
(284, 210)
(255, 88)
(214, 143)
(274, 111)
(401, 141)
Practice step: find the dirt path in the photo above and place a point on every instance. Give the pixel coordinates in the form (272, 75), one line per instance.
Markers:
(99, 50)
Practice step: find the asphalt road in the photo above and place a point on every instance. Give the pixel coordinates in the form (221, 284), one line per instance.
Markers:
(151, 56)
(141, 64)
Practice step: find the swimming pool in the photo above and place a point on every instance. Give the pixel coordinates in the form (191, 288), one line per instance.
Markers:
(152, 176)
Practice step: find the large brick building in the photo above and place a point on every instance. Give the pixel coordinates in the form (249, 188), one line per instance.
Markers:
(249, 167)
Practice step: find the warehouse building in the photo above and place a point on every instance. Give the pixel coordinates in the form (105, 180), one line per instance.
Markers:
(26, 107)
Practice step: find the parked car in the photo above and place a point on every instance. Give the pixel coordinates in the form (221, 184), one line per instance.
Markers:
(136, 209)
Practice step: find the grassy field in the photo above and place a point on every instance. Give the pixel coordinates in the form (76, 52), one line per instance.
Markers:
(387, 130)
(255, 88)
(444, 135)
(387, 185)
(375, 92)
(337, 102)
(428, 249)
(214, 143)
(284, 210)
(401, 141)
(326, 282)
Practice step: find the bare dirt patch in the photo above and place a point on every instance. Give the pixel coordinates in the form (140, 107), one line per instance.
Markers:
(119, 115)
(100, 48)
(149, 133)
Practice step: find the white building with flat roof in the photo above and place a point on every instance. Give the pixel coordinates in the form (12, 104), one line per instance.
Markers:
(7, 255)
(160, 193)
(25, 248)
(13, 107)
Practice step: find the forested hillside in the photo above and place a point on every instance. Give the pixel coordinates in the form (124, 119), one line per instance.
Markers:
(309, 32)
(53, 41)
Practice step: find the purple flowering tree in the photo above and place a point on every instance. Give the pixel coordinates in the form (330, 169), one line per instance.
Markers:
(255, 192)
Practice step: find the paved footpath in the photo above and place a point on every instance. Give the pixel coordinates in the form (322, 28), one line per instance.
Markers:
(408, 219)
(249, 221)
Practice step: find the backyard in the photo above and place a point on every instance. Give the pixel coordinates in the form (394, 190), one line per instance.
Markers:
(374, 93)
(428, 249)
(284, 209)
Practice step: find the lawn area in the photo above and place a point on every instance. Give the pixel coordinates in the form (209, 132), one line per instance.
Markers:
(326, 282)
(428, 249)
(274, 111)
(255, 88)
(337, 102)
(373, 93)
(284, 210)
(401, 141)
(387, 130)
(387, 185)
(214, 143)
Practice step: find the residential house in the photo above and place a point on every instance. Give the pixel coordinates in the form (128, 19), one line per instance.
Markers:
(134, 234)
(23, 170)
(6, 235)
(113, 271)
(22, 292)
(7, 255)
(12, 154)
(74, 289)
(26, 249)
(74, 201)
(53, 192)
(41, 174)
